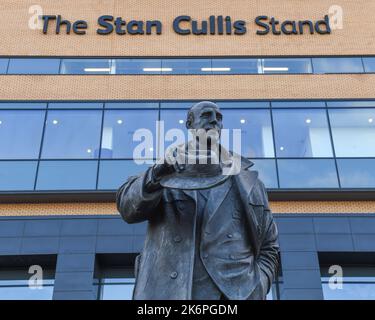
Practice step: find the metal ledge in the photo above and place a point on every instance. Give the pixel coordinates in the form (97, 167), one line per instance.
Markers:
(110, 196)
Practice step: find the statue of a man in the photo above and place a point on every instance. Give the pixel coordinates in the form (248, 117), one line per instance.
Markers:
(210, 236)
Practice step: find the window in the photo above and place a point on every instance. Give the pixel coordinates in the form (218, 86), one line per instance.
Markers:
(369, 64)
(298, 104)
(115, 284)
(114, 276)
(337, 65)
(285, 65)
(347, 276)
(3, 66)
(234, 66)
(86, 66)
(75, 105)
(34, 66)
(350, 104)
(307, 174)
(352, 131)
(256, 131)
(267, 172)
(137, 66)
(119, 127)
(72, 134)
(131, 105)
(302, 133)
(16, 282)
(14, 285)
(67, 175)
(20, 133)
(356, 173)
(186, 66)
(174, 119)
(113, 173)
(17, 175)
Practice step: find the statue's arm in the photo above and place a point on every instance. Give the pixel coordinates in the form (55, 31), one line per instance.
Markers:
(268, 258)
(138, 198)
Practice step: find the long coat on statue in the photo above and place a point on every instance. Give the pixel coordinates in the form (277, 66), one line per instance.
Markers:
(239, 247)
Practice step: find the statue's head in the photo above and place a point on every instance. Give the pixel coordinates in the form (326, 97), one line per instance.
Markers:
(205, 115)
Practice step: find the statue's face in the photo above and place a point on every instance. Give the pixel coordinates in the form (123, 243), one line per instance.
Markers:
(207, 116)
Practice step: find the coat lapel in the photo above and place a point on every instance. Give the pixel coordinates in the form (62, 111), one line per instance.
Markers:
(215, 199)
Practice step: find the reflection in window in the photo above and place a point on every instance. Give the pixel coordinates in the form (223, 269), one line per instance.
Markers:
(298, 104)
(356, 173)
(369, 64)
(3, 65)
(86, 66)
(72, 134)
(307, 173)
(115, 284)
(174, 119)
(302, 133)
(285, 65)
(234, 66)
(75, 105)
(17, 175)
(256, 131)
(14, 285)
(137, 66)
(350, 104)
(20, 133)
(34, 66)
(67, 175)
(118, 133)
(267, 172)
(113, 173)
(186, 66)
(353, 132)
(337, 65)
(358, 283)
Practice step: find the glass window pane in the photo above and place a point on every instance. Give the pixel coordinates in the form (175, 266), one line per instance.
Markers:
(117, 292)
(245, 104)
(34, 66)
(3, 65)
(118, 131)
(337, 65)
(353, 132)
(350, 104)
(302, 133)
(267, 172)
(26, 293)
(307, 173)
(286, 65)
(72, 134)
(67, 175)
(174, 119)
(176, 105)
(86, 66)
(17, 175)
(234, 66)
(350, 291)
(114, 173)
(356, 173)
(137, 66)
(256, 131)
(27, 105)
(75, 105)
(131, 105)
(20, 133)
(369, 64)
(185, 66)
(298, 104)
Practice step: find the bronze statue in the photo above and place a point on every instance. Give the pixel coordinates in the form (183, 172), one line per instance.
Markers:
(210, 235)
